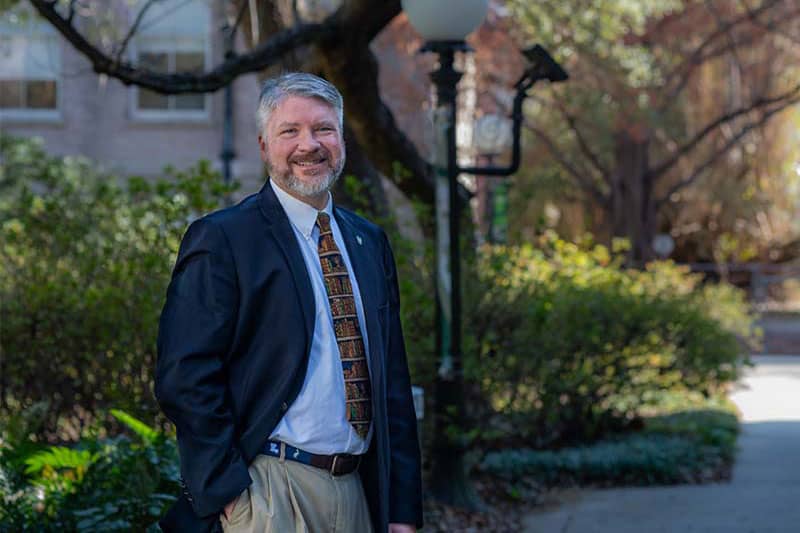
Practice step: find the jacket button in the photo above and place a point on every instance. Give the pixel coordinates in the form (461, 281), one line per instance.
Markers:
(284, 406)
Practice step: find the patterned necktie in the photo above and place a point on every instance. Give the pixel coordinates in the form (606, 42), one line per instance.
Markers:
(348, 333)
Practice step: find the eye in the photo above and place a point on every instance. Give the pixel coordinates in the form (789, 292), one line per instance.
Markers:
(287, 131)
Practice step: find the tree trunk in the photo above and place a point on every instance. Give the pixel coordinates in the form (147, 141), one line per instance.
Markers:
(633, 211)
(373, 200)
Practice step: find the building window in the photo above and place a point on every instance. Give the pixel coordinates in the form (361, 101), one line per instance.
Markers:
(171, 62)
(174, 41)
(29, 70)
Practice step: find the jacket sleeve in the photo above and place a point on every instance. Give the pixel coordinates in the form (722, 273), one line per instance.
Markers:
(191, 384)
(405, 482)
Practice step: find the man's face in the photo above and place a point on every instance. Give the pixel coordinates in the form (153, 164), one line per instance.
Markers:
(303, 147)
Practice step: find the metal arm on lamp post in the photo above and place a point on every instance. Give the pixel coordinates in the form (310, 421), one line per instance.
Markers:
(542, 67)
(444, 37)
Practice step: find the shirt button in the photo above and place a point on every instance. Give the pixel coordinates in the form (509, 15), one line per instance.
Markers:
(284, 406)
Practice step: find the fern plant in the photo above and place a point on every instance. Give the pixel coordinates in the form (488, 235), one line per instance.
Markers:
(119, 483)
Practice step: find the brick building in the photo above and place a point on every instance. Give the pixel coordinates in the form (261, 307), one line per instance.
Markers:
(48, 90)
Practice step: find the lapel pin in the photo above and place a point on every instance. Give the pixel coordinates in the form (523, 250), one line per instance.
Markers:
(358, 238)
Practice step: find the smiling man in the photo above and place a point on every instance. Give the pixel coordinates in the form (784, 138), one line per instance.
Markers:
(302, 147)
(280, 354)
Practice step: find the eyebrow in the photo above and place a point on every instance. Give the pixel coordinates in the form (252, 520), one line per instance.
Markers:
(295, 124)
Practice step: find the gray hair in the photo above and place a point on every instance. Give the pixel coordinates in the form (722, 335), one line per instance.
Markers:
(303, 84)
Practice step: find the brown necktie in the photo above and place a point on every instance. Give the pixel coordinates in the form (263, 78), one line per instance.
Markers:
(348, 333)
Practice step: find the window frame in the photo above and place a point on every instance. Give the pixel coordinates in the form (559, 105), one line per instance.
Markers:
(30, 31)
(167, 45)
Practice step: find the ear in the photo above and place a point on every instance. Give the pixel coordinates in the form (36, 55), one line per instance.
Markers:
(262, 146)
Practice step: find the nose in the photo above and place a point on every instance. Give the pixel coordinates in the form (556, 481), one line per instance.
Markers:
(307, 141)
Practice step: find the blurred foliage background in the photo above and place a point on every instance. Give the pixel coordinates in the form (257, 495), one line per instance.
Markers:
(84, 263)
(679, 118)
(587, 361)
(564, 344)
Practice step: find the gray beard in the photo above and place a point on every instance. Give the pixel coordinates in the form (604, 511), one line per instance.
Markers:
(302, 188)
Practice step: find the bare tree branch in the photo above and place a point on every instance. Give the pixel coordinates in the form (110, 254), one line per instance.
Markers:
(701, 168)
(370, 17)
(254, 25)
(698, 56)
(257, 59)
(733, 42)
(572, 124)
(132, 30)
(772, 27)
(71, 13)
(582, 144)
(583, 181)
(752, 37)
(238, 20)
(781, 101)
(341, 53)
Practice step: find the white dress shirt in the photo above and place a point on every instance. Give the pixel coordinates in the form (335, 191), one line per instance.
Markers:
(316, 421)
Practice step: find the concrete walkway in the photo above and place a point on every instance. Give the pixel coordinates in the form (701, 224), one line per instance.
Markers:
(762, 497)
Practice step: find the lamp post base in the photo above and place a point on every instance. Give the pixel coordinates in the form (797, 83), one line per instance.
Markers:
(449, 478)
(449, 483)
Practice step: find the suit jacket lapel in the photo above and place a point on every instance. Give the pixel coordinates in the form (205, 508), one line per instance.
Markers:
(281, 230)
(358, 251)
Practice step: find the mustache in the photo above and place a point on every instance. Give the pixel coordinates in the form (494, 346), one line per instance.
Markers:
(317, 155)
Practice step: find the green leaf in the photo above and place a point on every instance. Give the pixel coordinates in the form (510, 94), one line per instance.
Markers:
(59, 457)
(144, 431)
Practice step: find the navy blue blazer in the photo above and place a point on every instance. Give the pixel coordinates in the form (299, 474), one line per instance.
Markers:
(233, 347)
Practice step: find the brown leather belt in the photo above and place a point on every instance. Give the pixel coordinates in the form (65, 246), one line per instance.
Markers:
(338, 464)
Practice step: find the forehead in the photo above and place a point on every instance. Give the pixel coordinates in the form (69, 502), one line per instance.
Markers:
(299, 109)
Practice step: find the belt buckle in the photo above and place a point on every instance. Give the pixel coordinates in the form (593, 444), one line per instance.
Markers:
(344, 456)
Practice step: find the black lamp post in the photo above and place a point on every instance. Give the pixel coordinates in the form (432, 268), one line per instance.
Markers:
(444, 24)
(228, 152)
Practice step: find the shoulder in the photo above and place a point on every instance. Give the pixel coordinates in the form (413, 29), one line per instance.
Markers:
(228, 219)
(217, 229)
(242, 212)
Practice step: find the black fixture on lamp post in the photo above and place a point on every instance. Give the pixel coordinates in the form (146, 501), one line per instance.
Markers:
(444, 24)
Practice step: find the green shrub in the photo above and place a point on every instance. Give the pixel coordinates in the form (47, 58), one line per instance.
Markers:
(566, 345)
(635, 459)
(100, 484)
(695, 444)
(711, 421)
(84, 264)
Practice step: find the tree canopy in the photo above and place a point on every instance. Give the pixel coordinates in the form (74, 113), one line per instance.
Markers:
(664, 95)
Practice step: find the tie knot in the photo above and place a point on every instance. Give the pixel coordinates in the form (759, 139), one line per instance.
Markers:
(324, 222)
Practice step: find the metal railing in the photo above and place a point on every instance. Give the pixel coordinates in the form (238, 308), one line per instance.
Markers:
(757, 278)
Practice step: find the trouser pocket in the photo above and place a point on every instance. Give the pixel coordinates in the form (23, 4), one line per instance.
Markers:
(241, 510)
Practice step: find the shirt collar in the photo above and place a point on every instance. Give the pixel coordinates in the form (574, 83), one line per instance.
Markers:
(301, 214)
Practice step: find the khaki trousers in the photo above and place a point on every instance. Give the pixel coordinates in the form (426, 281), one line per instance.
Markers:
(288, 496)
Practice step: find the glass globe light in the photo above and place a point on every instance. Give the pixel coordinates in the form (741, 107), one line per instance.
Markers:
(445, 20)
